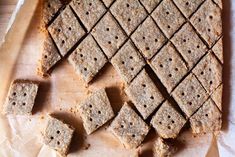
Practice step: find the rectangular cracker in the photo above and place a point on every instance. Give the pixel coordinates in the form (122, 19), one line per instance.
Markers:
(87, 59)
(128, 62)
(207, 119)
(217, 96)
(109, 35)
(95, 111)
(128, 127)
(168, 17)
(129, 14)
(144, 94)
(66, 30)
(150, 4)
(188, 7)
(21, 97)
(190, 95)
(89, 11)
(218, 50)
(189, 45)
(58, 135)
(169, 66)
(50, 8)
(209, 72)
(207, 21)
(163, 148)
(148, 38)
(168, 121)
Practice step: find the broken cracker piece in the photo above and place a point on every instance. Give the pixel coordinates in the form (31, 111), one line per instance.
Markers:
(162, 148)
(217, 96)
(218, 50)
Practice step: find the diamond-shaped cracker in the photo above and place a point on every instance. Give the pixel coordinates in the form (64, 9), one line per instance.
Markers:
(217, 96)
(144, 94)
(219, 2)
(89, 11)
(87, 59)
(189, 45)
(168, 17)
(209, 72)
(109, 35)
(128, 62)
(218, 50)
(207, 119)
(58, 135)
(188, 6)
(50, 8)
(190, 95)
(169, 66)
(148, 38)
(168, 121)
(95, 111)
(207, 21)
(128, 127)
(49, 57)
(108, 2)
(129, 13)
(21, 97)
(66, 30)
(150, 4)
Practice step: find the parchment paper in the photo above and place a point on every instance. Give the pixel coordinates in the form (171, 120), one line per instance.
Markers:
(21, 136)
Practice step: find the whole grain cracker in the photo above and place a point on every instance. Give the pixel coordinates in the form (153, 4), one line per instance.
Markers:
(150, 4)
(108, 2)
(218, 50)
(219, 2)
(163, 148)
(217, 96)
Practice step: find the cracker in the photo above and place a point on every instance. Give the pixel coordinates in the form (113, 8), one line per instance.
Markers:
(168, 17)
(219, 2)
(128, 62)
(148, 38)
(95, 111)
(87, 59)
(162, 148)
(167, 121)
(144, 94)
(217, 96)
(218, 50)
(188, 7)
(66, 31)
(150, 4)
(109, 35)
(189, 45)
(207, 119)
(209, 72)
(21, 97)
(89, 11)
(129, 14)
(108, 2)
(207, 21)
(129, 128)
(50, 8)
(58, 135)
(169, 66)
(190, 95)
(49, 57)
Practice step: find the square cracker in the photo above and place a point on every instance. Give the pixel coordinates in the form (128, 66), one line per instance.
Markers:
(87, 59)
(150, 4)
(128, 62)
(169, 66)
(128, 127)
(109, 35)
(163, 148)
(49, 57)
(189, 45)
(188, 6)
(21, 97)
(217, 96)
(66, 30)
(89, 11)
(167, 121)
(168, 17)
(207, 119)
(50, 8)
(58, 135)
(207, 21)
(129, 13)
(189, 95)
(218, 50)
(148, 38)
(95, 111)
(209, 72)
(144, 94)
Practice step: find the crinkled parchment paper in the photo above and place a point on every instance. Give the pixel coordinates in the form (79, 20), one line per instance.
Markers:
(22, 136)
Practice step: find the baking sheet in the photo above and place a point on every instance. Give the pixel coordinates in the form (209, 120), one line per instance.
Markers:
(20, 136)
